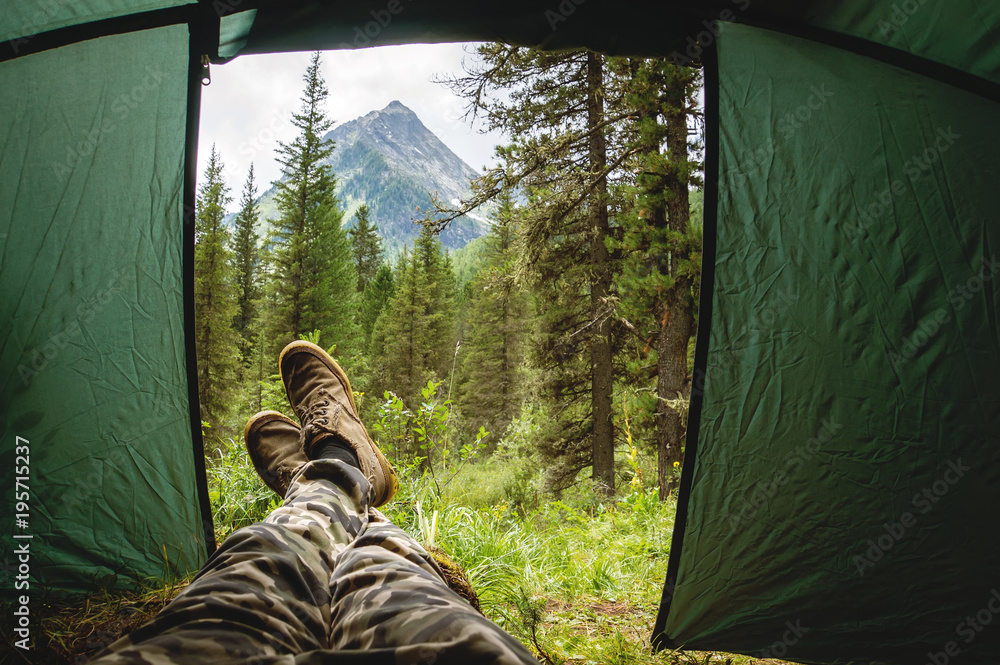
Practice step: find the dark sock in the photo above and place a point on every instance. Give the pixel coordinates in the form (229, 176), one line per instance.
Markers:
(333, 448)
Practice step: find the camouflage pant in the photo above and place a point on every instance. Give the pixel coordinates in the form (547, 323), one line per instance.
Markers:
(324, 579)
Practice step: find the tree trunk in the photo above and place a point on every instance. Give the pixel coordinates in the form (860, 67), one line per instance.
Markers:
(602, 377)
(674, 307)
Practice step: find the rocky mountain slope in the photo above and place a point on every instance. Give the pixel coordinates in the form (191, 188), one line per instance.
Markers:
(389, 160)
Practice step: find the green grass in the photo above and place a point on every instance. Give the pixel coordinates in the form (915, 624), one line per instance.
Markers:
(577, 580)
(75, 629)
(576, 583)
(238, 496)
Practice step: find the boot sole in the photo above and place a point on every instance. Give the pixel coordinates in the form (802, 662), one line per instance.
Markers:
(257, 421)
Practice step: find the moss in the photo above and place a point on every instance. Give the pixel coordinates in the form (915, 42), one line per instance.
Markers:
(455, 576)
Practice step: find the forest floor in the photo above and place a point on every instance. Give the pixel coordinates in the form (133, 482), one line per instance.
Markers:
(577, 580)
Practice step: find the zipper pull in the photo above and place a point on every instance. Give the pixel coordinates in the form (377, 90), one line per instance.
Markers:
(206, 74)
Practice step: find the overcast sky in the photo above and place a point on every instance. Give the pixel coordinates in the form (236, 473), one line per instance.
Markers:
(248, 106)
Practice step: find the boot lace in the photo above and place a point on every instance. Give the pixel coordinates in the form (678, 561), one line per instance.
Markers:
(318, 412)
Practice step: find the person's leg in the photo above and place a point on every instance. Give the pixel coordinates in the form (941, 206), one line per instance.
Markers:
(266, 591)
(322, 579)
(325, 578)
(388, 593)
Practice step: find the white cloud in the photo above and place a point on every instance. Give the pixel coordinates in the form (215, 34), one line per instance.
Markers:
(247, 109)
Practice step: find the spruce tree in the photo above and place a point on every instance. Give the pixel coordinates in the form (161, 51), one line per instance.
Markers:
(247, 267)
(261, 367)
(387, 321)
(374, 300)
(216, 342)
(313, 284)
(366, 245)
(494, 340)
(414, 335)
(662, 249)
(331, 298)
(439, 315)
(560, 282)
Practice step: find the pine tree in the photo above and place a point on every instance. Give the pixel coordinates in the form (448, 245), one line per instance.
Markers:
(560, 282)
(215, 300)
(494, 341)
(366, 245)
(261, 368)
(331, 301)
(247, 267)
(314, 284)
(561, 111)
(399, 333)
(601, 353)
(661, 270)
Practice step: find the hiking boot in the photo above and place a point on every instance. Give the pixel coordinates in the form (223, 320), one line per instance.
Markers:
(320, 393)
(274, 443)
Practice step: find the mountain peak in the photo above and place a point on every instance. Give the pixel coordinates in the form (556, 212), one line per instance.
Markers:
(389, 160)
(396, 106)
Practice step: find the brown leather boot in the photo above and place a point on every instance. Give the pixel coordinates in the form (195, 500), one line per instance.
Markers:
(320, 393)
(275, 446)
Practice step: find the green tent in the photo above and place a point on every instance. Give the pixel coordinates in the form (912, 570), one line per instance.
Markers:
(842, 457)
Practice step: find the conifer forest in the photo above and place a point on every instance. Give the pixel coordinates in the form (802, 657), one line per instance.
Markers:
(573, 317)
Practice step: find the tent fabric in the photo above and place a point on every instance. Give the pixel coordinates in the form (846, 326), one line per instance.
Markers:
(841, 461)
(846, 460)
(92, 347)
(23, 18)
(961, 34)
(233, 31)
